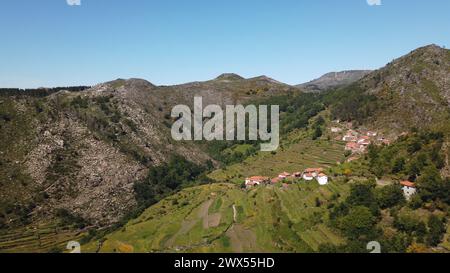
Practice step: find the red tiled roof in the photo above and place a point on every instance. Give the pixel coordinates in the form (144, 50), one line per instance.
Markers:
(353, 145)
(275, 180)
(408, 184)
(312, 170)
(258, 178)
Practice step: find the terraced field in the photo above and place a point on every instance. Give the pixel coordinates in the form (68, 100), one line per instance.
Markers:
(201, 219)
(40, 239)
(293, 157)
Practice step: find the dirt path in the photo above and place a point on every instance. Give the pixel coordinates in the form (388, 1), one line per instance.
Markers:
(383, 183)
(234, 214)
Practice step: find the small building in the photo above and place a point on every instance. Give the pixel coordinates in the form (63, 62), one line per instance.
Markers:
(354, 147)
(308, 177)
(313, 171)
(409, 189)
(336, 130)
(349, 138)
(256, 181)
(284, 175)
(372, 134)
(322, 179)
(365, 141)
(275, 180)
(363, 138)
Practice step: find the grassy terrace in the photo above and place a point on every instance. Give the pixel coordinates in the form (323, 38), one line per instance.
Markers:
(222, 217)
(41, 239)
(294, 158)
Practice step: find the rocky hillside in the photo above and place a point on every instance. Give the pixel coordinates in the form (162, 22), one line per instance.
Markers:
(82, 152)
(410, 92)
(333, 80)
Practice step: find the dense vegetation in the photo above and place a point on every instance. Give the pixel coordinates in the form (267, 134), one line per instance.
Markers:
(168, 178)
(361, 219)
(416, 157)
(351, 103)
(415, 226)
(39, 92)
(296, 110)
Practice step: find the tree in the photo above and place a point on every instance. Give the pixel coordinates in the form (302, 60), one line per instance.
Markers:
(317, 133)
(362, 194)
(390, 196)
(399, 165)
(359, 222)
(430, 184)
(436, 230)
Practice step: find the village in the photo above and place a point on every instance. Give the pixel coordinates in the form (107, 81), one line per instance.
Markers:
(285, 177)
(357, 143)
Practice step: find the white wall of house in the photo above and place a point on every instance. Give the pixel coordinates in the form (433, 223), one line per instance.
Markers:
(409, 192)
(322, 180)
(308, 178)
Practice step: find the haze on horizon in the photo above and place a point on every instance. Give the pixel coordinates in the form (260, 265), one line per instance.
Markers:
(50, 43)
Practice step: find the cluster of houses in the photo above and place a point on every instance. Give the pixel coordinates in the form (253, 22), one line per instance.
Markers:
(357, 142)
(307, 175)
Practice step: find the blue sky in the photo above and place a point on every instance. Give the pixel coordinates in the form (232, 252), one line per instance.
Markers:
(49, 43)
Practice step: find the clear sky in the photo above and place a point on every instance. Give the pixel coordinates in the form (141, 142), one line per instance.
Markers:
(49, 43)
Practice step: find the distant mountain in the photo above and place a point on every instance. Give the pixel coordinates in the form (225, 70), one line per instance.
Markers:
(333, 80)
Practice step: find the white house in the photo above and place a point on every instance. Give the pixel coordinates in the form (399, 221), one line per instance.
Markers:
(256, 181)
(314, 172)
(284, 175)
(336, 130)
(349, 138)
(322, 179)
(409, 189)
(308, 177)
(363, 139)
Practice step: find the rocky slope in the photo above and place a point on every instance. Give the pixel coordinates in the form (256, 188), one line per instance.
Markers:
(414, 90)
(333, 80)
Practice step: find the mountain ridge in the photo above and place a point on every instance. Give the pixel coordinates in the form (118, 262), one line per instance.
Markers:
(333, 80)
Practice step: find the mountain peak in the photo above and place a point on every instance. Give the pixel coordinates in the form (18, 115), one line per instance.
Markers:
(229, 77)
(134, 82)
(428, 52)
(266, 79)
